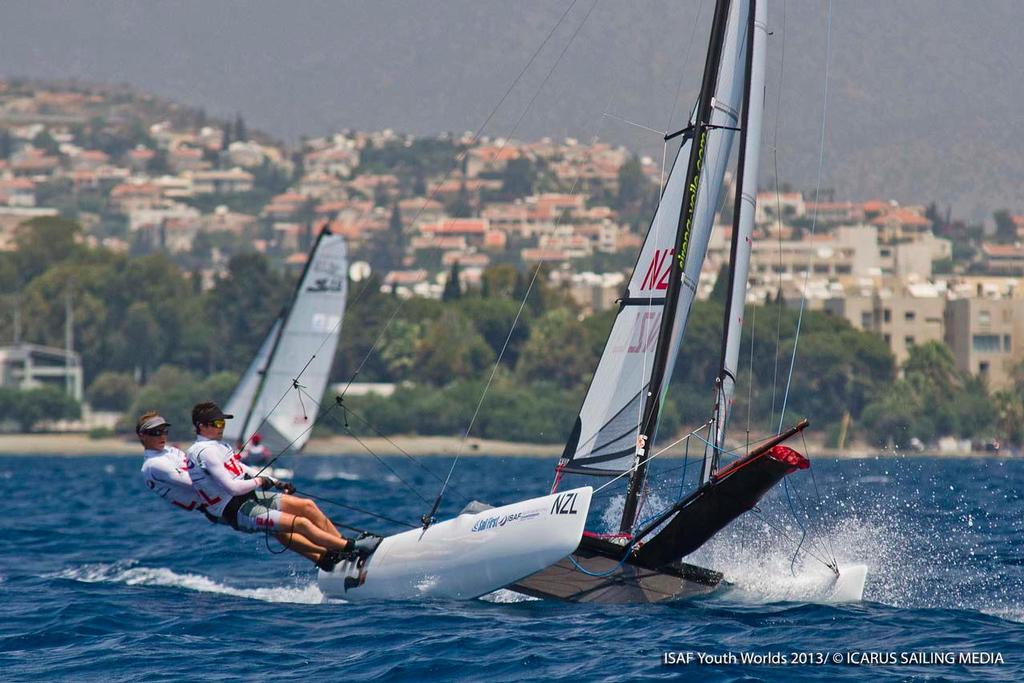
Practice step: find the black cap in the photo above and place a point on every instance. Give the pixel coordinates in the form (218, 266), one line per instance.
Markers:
(205, 413)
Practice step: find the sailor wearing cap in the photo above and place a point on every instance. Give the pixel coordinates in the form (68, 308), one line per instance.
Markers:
(239, 496)
(165, 468)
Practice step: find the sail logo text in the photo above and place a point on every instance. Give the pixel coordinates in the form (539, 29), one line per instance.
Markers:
(501, 520)
(693, 188)
(658, 272)
(565, 504)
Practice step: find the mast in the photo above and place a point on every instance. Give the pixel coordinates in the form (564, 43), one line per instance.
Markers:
(699, 129)
(742, 230)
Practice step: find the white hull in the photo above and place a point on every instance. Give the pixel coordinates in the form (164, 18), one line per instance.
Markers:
(849, 585)
(469, 556)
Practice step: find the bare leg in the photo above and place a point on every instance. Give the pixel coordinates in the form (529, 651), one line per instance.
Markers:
(301, 545)
(302, 507)
(304, 527)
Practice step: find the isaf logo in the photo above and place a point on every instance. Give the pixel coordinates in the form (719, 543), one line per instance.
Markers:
(564, 504)
(501, 520)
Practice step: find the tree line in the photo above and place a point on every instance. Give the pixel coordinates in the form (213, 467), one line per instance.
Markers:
(151, 335)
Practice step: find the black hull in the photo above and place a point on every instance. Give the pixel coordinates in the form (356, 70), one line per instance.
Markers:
(653, 571)
(626, 582)
(714, 506)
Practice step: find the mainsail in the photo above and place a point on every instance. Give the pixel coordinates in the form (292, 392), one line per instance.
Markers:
(628, 377)
(294, 375)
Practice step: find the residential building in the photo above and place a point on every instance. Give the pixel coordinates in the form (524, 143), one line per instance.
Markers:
(986, 335)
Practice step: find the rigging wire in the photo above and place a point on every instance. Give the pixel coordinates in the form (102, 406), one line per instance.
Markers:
(299, 436)
(778, 213)
(355, 509)
(473, 140)
(348, 411)
(817, 494)
(380, 460)
(476, 137)
(428, 517)
(648, 459)
(782, 532)
(814, 217)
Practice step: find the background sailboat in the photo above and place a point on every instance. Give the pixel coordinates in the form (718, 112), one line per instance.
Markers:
(278, 394)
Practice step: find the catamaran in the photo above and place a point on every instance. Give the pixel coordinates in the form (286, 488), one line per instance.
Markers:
(616, 430)
(614, 435)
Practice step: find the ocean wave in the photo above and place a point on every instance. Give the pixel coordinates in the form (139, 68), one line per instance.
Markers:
(330, 475)
(504, 596)
(128, 573)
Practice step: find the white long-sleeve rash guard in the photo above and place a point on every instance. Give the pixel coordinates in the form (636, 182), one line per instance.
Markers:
(166, 473)
(218, 474)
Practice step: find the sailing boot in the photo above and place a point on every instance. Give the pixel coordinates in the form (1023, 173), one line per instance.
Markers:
(328, 560)
(365, 545)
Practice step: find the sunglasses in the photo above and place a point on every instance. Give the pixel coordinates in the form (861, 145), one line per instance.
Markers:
(158, 431)
(217, 424)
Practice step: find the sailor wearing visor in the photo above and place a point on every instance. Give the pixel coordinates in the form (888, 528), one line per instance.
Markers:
(165, 469)
(234, 493)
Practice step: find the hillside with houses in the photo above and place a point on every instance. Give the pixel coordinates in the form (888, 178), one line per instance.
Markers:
(426, 216)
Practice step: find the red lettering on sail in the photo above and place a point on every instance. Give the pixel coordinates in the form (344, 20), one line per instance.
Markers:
(655, 277)
(646, 337)
(663, 282)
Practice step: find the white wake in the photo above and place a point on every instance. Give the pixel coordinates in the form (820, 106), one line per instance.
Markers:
(130, 575)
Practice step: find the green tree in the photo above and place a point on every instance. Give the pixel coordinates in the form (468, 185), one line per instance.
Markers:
(366, 314)
(460, 207)
(44, 141)
(112, 391)
(518, 179)
(6, 144)
(451, 350)
(42, 242)
(1009, 416)
(30, 406)
(493, 319)
(895, 417)
(241, 308)
(241, 133)
(173, 391)
(499, 282)
(453, 285)
(556, 352)
(1006, 229)
(400, 347)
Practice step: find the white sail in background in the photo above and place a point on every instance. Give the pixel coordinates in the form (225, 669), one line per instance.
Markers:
(245, 392)
(282, 414)
(745, 226)
(605, 434)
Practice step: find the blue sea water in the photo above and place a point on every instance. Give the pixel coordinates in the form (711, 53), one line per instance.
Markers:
(102, 581)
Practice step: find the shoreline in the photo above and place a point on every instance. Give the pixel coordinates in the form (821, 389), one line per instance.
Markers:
(74, 445)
